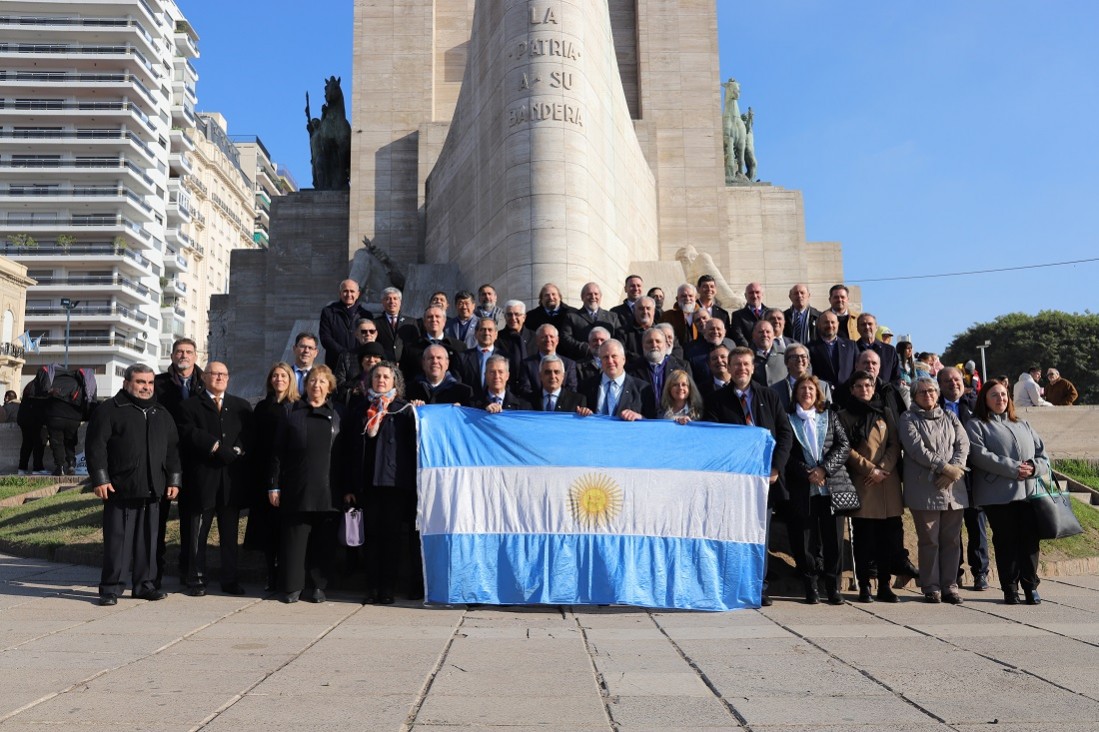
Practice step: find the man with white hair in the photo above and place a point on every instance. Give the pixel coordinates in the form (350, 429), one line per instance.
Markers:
(589, 315)
(395, 329)
(671, 343)
(547, 340)
(684, 315)
(770, 366)
(657, 363)
(515, 340)
(589, 367)
(496, 397)
(697, 353)
(616, 393)
(644, 317)
(796, 360)
(1061, 392)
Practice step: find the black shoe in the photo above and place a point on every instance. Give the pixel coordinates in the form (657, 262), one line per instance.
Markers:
(812, 594)
(1011, 597)
(864, 594)
(1032, 597)
(908, 569)
(233, 588)
(196, 591)
(110, 599)
(765, 600)
(151, 595)
(952, 598)
(980, 583)
(834, 597)
(385, 598)
(886, 594)
(317, 596)
(290, 597)
(932, 597)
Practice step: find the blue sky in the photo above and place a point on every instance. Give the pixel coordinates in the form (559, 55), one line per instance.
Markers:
(929, 138)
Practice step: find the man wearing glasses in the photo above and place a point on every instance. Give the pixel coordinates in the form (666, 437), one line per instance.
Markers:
(338, 323)
(347, 367)
(305, 352)
(216, 432)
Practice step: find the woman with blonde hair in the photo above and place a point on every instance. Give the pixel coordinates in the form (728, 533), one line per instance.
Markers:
(680, 399)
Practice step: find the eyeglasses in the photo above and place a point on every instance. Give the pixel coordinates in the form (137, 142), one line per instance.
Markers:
(307, 348)
(218, 374)
(368, 332)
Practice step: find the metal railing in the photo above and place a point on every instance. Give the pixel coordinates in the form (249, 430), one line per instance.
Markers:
(90, 310)
(93, 280)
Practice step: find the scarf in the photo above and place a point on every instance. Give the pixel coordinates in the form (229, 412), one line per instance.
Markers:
(861, 417)
(376, 411)
(142, 404)
(810, 428)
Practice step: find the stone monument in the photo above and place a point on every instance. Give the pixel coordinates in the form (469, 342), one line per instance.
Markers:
(518, 142)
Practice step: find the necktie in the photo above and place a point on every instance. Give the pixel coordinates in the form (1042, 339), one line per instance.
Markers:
(496, 399)
(799, 323)
(609, 401)
(393, 322)
(484, 361)
(185, 388)
(217, 402)
(755, 311)
(550, 403)
(747, 411)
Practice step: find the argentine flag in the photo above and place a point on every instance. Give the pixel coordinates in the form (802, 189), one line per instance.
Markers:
(557, 509)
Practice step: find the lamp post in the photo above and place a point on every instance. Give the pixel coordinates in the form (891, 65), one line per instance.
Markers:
(69, 306)
(984, 366)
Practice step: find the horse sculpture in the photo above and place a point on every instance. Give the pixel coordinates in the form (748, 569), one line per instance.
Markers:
(735, 133)
(330, 140)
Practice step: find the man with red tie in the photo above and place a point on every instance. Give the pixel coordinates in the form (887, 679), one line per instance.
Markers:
(744, 320)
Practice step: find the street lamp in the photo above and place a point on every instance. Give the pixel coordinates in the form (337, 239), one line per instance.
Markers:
(69, 306)
(984, 367)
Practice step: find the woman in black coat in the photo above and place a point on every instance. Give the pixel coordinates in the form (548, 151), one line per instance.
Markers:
(262, 533)
(383, 483)
(305, 469)
(815, 470)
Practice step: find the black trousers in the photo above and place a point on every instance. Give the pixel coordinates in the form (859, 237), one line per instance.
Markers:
(162, 541)
(874, 546)
(63, 435)
(33, 446)
(129, 540)
(392, 541)
(306, 545)
(976, 546)
(228, 518)
(819, 526)
(1016, 544)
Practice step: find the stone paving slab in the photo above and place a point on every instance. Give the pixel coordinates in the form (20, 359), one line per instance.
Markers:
(252, 664)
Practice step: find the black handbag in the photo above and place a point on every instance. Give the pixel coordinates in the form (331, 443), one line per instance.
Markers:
(1053, 516)
(845, 501)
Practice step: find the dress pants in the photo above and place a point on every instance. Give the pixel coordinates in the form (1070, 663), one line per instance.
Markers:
(162, 542)
(228, 522)
(873, 545)
(821, 528)
(939, 542)
(33, 446)
(392, 541)
(1016, 544)
(129, 536)
(63, 435)
(976, 546)
(306, 544)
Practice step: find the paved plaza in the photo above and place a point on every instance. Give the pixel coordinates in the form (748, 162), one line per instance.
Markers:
(229, 663)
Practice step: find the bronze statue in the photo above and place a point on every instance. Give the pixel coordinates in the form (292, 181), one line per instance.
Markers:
(749, 146)
(330, 140)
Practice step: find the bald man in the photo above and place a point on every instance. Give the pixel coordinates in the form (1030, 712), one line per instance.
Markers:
(338, 321)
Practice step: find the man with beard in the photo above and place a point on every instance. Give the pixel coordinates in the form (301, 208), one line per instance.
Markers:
(657, 364)
(684, 316)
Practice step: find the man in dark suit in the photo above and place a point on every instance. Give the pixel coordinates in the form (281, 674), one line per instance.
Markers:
(831, 357)
(657, 364)
(867, 325)
(216, 433)
(551, 309)
(643, 318)
(801, 318)
(684, 317)
(589, 315)
(496, 396)
(469, 365)
(707, 299)
(616, 393)
(395, 329)
(796, 359)
(515, 340)
(436, 385)
(462, 327)
(553, 396)
(338, 322)
(547, 340)
(697, 354)
(741, 322)
(634, 289)
(717, 374)
(953, 398)
(590, 366)
(746, 402)
(433, 322)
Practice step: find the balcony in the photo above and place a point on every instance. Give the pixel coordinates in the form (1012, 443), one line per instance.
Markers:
(181, 140)
(65, 109)
(46, 315)
(89, 223)
(69, 195)
(105, 284)
(91, 252)
(90, 344)
(54, 166)
(52, 27)
(175, 263)
(87, 55)
(179, 164)
(173, 286)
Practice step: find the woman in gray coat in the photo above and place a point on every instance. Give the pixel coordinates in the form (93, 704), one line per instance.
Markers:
(1007, 458)
(935, 449)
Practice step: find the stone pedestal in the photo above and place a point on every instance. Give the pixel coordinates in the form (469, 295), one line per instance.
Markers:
(277, 292)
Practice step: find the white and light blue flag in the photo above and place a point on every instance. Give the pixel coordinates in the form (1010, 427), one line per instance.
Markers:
(534, 508)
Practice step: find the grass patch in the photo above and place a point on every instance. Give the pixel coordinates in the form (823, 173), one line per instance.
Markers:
(17, 485)
(64, 519)
(1085, 471)
(1081, 545)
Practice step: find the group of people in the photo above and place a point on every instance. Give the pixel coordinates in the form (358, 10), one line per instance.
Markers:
(848, 418)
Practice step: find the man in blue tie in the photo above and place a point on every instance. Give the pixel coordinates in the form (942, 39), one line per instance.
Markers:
(305, 352)
(497, 397)
(614, 392)
(953, 397)
(801, 318)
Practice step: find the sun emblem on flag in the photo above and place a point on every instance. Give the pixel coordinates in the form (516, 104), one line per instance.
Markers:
(595, 499)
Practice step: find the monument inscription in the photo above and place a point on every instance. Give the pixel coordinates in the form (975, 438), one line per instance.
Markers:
(537, 59)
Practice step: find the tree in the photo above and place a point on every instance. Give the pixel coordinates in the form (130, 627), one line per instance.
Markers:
(1066, 341)
(23, 241)
(65, 241)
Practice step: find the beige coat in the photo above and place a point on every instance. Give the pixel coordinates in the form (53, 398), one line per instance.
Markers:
(882, 449)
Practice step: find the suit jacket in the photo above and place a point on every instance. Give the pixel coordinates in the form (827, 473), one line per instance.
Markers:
(530, 381)
(721, 314)
(684, 334)
(743, 321)
(636, 395)
(823, 368)
(467, 367)
(724, 406)
(224, 477)
(810, 331)
(411, 360)
(639, 369)
(890, 370)
(770, 369)
(586, 369)
(510, 403)
(337, 329)
(624, 313)
(581, 323)
(567, 401)
(516, 346)
(453, 328)
(449, 392)
(393, 340)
